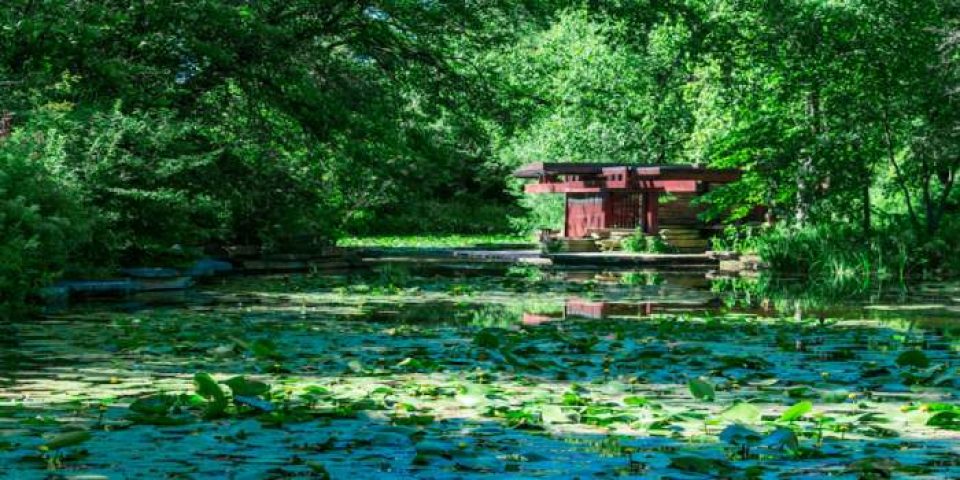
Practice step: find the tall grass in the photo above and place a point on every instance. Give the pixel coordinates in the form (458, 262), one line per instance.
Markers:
(640, 242)
(836, 256)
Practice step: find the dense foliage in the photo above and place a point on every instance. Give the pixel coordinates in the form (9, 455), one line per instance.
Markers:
(145, 127)
(40, 216)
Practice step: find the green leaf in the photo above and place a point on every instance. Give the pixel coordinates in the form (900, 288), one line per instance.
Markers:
(781, 438)
(154, 404)
(707, 466)
(742, 412)
(67, 439)
(797, 411)
(435, 448)
(253, 402)
(413, 420)
(247, 388)
(208, 388)
(738, 435)
(913, 358)
(319, 470)
(946, 419)
(158, 420)
(266, 349)
(489, 337)
(553, 414)
(701, 390)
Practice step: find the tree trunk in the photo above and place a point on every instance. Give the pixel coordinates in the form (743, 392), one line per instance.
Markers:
(867, 220)
(806, 171)
(900, 178)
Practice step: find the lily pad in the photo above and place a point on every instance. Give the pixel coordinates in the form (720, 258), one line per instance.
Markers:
(797, 411)
(949, 420)
(742, 412)
(738, 435)
(703, 465)
(207, 388)
(913, 358)
(154, 404)
(701, 389)
(553, 414)
(781, 438)
(249, 388)
(67, 439)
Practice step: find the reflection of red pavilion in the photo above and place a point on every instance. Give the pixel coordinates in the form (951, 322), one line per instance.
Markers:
(577, 307)
(581, 308)
(534, 319)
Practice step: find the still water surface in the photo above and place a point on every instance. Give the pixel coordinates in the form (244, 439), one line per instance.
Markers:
(413, 374)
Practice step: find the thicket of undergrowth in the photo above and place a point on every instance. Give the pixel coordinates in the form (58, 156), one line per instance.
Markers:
(845, 259)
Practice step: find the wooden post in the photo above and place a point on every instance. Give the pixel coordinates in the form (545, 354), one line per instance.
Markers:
(651, 212)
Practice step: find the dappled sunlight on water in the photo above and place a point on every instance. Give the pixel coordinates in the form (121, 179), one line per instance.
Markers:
(539, 374)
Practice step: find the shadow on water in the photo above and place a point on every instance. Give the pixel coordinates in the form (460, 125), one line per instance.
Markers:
(399, 373)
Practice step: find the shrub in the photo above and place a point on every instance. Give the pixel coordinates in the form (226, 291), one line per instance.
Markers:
(641, 242)
(843, 258)
(41, 214)
(463, 216)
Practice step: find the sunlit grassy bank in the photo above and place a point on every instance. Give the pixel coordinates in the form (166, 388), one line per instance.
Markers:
(434, 241)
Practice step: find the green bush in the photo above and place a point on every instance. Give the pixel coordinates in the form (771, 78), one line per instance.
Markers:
(539, 212)
(156, 184)
(461, 216)
(141, 173)
(844, 258)
(641, 242)
(41, 214)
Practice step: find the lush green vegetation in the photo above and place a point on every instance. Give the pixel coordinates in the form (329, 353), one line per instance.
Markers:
(145, 133)
(144, 130)
(641, 242)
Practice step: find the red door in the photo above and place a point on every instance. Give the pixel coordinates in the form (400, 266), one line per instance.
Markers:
(585, 211)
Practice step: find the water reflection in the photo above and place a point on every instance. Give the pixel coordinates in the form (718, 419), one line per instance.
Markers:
(589, 294)
(581, 308)
(480, 359)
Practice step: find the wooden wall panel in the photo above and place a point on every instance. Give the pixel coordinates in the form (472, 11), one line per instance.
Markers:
(584, 212)
(680, 210)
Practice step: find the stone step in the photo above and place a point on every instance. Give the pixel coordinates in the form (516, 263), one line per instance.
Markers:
(691, 235)
(685, 242)
(578, 245)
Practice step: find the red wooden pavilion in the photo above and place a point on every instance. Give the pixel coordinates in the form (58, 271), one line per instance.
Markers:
(610, 196)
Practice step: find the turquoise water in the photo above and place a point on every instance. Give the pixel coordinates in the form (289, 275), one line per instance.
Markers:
(400, 373)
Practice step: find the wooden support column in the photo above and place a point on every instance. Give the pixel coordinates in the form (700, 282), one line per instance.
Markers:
(651, 212)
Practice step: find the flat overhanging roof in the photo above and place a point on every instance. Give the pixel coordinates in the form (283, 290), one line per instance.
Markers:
(598, 177)
(675, 172)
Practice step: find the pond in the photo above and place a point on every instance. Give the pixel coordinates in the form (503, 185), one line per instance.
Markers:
(398, 373)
